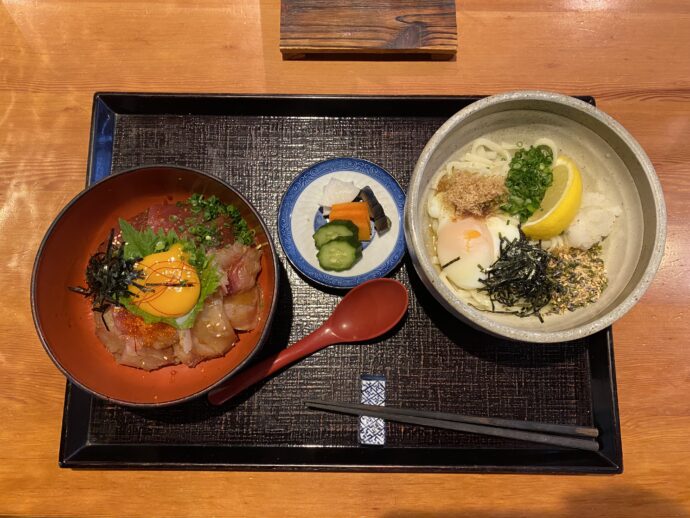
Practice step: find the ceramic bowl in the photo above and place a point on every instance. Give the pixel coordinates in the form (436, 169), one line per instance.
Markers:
(299, 217)
(64, 320)
(606, 153)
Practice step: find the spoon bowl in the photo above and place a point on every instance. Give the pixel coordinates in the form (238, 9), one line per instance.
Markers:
(368, 311)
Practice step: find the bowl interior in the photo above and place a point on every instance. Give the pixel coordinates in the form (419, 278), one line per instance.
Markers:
(608, 165)
(64, 320)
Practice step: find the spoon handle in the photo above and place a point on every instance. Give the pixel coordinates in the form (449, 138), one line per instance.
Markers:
(317, 340)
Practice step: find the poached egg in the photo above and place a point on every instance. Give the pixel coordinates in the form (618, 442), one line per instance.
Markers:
(467, 245)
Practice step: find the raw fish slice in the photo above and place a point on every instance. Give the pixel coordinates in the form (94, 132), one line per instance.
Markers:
(166, 217)
(242, 309)
(226, 257)
(211, 336)
(135, 343)
(242, 275)
(242, 265)
(160, 217)
(153, 336)
(169, 216)
(147, 359)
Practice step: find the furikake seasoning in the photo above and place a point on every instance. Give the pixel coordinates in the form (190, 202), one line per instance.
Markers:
(582, 274)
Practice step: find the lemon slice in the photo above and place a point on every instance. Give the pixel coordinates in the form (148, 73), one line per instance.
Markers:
(560, 204)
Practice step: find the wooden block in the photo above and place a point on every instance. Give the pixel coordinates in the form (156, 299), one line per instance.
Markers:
(378, 27)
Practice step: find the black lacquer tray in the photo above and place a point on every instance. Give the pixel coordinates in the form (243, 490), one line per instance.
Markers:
(258, 144)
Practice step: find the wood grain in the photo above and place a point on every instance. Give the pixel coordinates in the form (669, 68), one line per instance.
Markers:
(631, 55)
(387, 27)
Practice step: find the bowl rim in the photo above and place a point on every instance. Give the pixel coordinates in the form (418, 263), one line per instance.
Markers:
(84, 192)
(477, 318)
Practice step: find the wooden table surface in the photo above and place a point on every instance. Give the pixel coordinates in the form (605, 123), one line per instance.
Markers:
(632, 55)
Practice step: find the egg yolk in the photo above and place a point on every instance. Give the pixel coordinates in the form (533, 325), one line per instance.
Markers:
(171, 286)
(469, 236)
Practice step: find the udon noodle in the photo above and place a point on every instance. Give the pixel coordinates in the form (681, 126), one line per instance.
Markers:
(471, 247)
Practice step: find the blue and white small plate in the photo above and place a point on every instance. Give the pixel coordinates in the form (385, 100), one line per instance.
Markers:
(299, 217)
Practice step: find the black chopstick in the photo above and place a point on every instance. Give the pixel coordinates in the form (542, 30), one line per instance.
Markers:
(459, 423)
(562, 429)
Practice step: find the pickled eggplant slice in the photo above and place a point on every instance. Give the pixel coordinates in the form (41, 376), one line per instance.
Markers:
(382, 223)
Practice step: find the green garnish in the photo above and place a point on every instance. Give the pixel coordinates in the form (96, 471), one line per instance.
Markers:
(206, 211)
(140, 243)
(242, 231)
(210, 208)
(205, 234)
(529, 176)
(520, 278)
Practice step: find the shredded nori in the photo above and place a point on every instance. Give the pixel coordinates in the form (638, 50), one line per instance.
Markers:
(520, 278)
(108, 277)
(452, 261)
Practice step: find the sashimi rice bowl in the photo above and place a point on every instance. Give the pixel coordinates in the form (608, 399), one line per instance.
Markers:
(154, 285)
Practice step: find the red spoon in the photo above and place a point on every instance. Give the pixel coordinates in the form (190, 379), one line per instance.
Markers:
(366, 312)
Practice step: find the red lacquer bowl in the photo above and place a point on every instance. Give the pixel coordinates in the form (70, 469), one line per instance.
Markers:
(64, 321)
